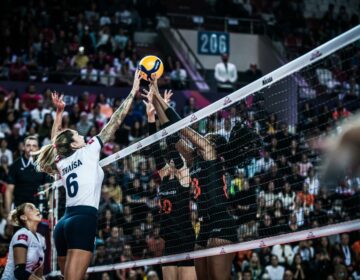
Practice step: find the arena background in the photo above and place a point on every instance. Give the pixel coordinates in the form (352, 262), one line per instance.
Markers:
(40, 51)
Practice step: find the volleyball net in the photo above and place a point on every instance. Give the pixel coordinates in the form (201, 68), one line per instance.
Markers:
(244, 169)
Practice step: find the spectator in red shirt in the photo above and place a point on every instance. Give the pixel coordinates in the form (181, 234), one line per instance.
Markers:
(29, 100)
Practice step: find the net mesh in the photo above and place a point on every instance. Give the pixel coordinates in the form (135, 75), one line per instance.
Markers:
(251, 170)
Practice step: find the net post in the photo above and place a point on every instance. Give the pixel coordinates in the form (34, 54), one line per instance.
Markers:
(54, 217)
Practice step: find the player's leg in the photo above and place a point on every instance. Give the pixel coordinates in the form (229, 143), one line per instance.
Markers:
(201, 269)
(169, 272)
(219, 267)
(187, 272)
(61, 262)
(80, 231)
(77, 262)
(60, 243)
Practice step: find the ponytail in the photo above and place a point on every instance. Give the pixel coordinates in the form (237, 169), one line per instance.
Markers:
(14, 215)
(46, 157)
(45, 161)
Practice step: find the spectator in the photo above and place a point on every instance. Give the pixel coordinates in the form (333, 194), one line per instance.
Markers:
(275, 270)
(284, 254)
(80, 60)
(178, 76)
(114, 244)
(38, 114)
(155, 244)
(299, 268)
(89, 75)
(225, 74)
(107, 76)
(345, 251)
(253, 73)
(313, 182)
(5, 152)
(29, 100)
(83, 126)
(24, 181)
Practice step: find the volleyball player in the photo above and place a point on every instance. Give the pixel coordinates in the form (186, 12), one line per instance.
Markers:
(78, 165)
(26, 252)
(176, 227)
(206, 170)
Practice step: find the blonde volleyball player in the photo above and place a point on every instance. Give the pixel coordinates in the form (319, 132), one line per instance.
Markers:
(26, 251)
(78, 165)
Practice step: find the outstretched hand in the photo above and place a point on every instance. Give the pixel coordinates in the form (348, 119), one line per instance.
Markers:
(58, 101)
(150, 109)
(137, 79)
(167, 96)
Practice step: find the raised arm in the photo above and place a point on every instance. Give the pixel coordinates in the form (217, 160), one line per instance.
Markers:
(119, 115)
(59, 103)
(207, 150)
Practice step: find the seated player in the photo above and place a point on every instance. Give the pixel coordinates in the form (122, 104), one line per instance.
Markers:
(27, 247)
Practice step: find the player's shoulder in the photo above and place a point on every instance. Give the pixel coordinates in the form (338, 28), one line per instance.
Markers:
(95, 140)
(22, 234)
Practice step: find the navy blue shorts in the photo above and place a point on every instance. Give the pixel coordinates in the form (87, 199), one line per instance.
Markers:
(76, 229)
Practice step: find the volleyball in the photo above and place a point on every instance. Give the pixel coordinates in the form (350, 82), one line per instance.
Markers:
(149, 65)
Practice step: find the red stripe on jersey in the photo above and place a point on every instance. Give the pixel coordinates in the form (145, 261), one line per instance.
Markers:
(23, 237)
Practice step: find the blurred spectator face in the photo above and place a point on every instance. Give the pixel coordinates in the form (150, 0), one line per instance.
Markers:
(274, 261)
(100, 250)
(293, 219)
(304, 158)
(105, 276)
(192, 101)
(32, 89)
(152, 275)
(247, 275)
(271, 186)
(278, 204)
(149, 218)
(108, 214)
(136, 183)
(305, 187)
(127, 251)
(4, 160)
(132, 275)
(225, 58)
(115, 232)
(297, 259)
(127, 210)
(3, 144)
(83, 117)
(137, 233)
(288, 275)
(31, 146)
(177, 65)
(157, 232)
(267, 220)
(254, 261)
(345, 239)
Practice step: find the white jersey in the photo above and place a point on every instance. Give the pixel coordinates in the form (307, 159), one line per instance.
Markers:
(35, 244)
(82, 175)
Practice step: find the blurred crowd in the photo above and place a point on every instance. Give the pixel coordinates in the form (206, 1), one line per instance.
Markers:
(90, 42)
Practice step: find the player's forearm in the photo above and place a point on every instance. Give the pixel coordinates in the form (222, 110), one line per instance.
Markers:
(8, 197)
(200, 142)
(117, 118)
(56, 128)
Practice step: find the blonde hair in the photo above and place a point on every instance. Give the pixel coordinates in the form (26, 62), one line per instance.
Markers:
(46, 157)
(14, 215)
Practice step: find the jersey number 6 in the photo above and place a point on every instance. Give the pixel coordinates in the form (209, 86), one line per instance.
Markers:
(72, 186)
